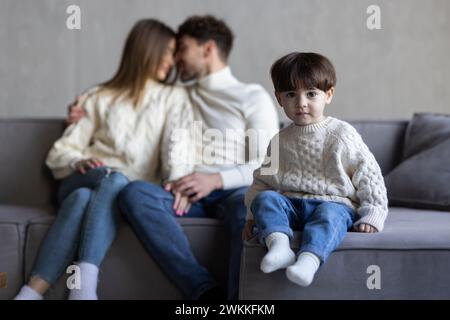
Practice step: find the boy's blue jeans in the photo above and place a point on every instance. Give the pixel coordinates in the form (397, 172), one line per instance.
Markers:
(148, 208)
(85, 225)
(324, 223)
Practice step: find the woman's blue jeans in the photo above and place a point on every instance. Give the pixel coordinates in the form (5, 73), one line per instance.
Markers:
(85, 225)
(324, 223)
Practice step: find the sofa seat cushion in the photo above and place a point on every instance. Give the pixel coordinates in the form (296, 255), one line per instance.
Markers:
(13, 222)
(405, 228)
(130, 270)
(412, 254)
(23, 214)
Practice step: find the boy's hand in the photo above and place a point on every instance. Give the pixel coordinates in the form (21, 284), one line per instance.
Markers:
(247, 231)
(84, 166)
(363, 227)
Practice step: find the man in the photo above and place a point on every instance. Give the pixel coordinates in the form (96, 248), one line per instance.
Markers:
(217, 187)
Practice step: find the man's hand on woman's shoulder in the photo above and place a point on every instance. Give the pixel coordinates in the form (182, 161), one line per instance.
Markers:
(75, 110)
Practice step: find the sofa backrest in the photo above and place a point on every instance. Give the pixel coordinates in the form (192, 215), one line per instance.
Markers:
(385, 139)
(24, 144)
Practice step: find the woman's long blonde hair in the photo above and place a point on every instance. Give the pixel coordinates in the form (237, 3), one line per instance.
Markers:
(142, 54)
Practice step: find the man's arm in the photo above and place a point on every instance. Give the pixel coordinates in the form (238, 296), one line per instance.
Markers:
(262, 118)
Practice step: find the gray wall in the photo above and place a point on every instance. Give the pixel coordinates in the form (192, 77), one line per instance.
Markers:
(382, 74)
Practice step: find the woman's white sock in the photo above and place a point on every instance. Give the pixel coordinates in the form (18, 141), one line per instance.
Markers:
(280, 254)
(302, 272)
(89, 278)
(28, 293)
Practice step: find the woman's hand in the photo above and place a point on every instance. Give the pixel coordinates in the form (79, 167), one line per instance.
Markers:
(247, 231)
(363, 227)
(181, 205)
(84, 166)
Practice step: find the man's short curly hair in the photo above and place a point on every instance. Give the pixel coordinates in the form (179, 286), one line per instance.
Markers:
(205, 28)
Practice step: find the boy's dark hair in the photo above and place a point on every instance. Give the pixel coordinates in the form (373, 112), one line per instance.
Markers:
(204, 28)
(303, 70)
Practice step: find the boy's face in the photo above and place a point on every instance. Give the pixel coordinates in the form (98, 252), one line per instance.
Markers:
(304, 107)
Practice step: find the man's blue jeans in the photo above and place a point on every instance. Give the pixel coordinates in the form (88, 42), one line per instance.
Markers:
(148, 208)
(85, 225)
(324, 223)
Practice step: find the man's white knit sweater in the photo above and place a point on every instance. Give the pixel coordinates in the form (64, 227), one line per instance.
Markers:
(137, 142)
(225, 106)
(326, 161)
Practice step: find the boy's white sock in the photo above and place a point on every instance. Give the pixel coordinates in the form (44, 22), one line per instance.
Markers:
(28, 293)
(302, 272)
(280, 254)
(89, 278)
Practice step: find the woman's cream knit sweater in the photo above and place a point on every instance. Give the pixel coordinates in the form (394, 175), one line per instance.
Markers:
(134, 141)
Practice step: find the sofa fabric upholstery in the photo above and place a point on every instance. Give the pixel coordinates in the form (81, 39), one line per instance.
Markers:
(27, 193)
(129, 270)
(412, 252)
(421, 180)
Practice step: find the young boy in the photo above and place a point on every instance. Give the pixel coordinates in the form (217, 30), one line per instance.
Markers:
(327, 179)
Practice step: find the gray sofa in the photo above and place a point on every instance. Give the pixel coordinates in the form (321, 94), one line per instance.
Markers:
(413, 252)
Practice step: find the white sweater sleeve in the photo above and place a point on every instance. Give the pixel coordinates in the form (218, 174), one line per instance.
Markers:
(261, 182)
(262, 118)
(177, 149)
(369, 183)
(75, 139)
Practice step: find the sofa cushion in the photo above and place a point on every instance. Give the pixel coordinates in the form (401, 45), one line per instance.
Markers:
(384, 139)
(13, 223)
(11, 259)
(412, 252)
(23, 215)
(24, 144)
(404, 274)
(425, 131)
(405, 229)
(130, 270)
(422, 179)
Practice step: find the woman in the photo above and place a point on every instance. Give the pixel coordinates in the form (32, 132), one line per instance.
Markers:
(127, 119)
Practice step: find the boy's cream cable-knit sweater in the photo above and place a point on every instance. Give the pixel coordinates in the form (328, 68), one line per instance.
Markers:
(137, 142)
(326, 161)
